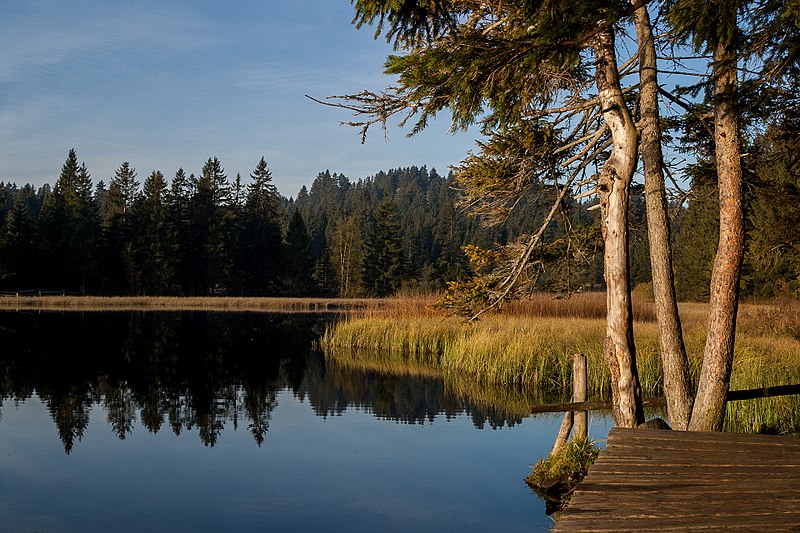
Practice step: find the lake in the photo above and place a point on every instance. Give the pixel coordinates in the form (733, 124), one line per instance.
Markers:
(234, 422)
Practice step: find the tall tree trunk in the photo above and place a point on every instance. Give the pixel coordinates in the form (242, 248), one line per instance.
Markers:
(614, 183)
(709, 406)
(677, 381)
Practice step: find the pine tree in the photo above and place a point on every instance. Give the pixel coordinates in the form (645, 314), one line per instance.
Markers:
(298, 265)
(18, 243)
(772, 260)
(155, 249)
(323, 273)
(714, 27)
(178, 205)
(383, 254)
(116, 248)
(261, 234)
(698, 231)
(68, 228)
(210, 216)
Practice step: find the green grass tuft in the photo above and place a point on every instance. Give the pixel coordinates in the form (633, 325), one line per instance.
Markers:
(570, 463)
(554, 477)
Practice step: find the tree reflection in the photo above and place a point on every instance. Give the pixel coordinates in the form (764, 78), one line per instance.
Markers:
(203, 372)
(119, 407)
(70, 411)
(259, 402)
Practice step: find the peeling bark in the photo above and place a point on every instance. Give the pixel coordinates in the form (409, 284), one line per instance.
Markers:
(677, 381)
(614, 184)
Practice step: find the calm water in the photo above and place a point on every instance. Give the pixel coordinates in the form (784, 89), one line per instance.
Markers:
(221, 422)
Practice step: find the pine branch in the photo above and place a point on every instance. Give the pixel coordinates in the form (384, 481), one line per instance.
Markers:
(688, 107)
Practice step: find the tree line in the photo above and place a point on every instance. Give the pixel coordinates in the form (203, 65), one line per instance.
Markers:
(208, 235)
(399, 229)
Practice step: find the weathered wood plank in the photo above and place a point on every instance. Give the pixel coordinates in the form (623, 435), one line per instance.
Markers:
(678, 481)
(606, 405)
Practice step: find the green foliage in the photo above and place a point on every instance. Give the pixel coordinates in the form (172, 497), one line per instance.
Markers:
(18, 245)
(117, 249)
(407, 22)
(773, 253)
(68, 228)
(515, 162)
(383, 255)
(704, 24)
(562, 265)
(155, 246)
(431, 230)
(210, 223)
(466, 297)
(493, 74)
(186, 237)
(298, 264)
(260, 240)
(697, 236)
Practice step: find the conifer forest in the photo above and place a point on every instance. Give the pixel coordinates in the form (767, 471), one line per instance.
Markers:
(399, 230)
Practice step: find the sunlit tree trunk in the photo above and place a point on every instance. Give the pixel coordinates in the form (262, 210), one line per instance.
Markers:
(677, 381)
(614, 183)
(709, 406)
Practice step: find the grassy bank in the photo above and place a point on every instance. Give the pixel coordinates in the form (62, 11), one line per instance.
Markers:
(530, 345)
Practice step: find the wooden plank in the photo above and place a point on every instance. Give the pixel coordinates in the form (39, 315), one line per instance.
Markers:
(658, 480)
(606, 405)
(592, 405)
(766, 392)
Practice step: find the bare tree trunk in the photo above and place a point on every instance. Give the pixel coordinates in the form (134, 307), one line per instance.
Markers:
(614, 183)
(677, 381)
(709, 406)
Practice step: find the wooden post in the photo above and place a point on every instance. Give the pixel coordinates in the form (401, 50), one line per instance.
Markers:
(563, 433)
(578, 419)
(579, 394)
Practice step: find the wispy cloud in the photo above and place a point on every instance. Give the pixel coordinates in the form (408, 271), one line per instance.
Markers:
(50, 37)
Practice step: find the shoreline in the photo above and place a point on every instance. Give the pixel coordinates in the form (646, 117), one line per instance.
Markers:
(190, 303)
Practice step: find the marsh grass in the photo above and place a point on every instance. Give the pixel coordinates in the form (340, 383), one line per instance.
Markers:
(525, 347)
(502, 349)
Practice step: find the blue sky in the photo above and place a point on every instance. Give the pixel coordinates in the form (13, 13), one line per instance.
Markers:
(170, 83)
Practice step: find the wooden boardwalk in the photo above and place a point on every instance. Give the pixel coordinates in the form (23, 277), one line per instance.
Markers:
(658, 480)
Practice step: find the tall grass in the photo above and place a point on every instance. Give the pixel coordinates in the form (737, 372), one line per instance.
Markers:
(531, 344)
(504, 350)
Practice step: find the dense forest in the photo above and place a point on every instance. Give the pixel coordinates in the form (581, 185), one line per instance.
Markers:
(209, 235)
(401, 229)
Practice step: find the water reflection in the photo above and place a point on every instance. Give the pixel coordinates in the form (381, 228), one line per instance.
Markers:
(203, 371)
